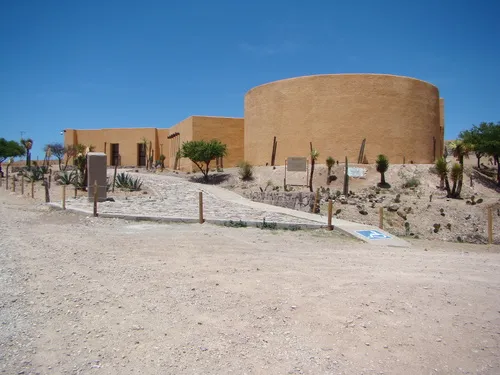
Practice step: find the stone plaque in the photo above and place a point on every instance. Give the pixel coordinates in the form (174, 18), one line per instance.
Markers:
(97, 171)
(297, 164)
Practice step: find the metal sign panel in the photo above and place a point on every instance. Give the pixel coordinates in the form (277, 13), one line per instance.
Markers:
(297, 164)
(373, 234)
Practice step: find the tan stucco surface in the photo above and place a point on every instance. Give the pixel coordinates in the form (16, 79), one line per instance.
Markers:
(227, 130)
(398, 116)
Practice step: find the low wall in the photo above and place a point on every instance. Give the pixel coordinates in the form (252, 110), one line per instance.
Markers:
(301, 201)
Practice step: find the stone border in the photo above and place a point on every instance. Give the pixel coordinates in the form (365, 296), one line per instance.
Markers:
(167, 219)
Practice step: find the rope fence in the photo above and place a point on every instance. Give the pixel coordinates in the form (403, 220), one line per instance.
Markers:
(46, 183)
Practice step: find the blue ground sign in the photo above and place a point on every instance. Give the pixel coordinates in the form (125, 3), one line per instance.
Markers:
(373, 234)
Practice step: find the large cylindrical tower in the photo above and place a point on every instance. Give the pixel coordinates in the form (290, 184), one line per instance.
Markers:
(398, 116)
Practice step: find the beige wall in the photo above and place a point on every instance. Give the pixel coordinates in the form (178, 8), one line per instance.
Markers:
(102, 139)
(441, 124)
(185, 130)
(227, 130)
(398, 116)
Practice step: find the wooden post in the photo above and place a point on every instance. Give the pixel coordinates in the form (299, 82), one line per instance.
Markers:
(95, 198)
(46, 188)
(381, 218)
(76, 192)
(490, 226)
(114, 175)
(50, 178)
(316, 199)
(64, 197)
(22, 185)
(330, 212)
(7, 179)
(14, 183)
(201, 207)
(33, 189)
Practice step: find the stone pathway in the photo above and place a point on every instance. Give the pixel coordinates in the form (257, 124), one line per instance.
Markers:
(177, 198)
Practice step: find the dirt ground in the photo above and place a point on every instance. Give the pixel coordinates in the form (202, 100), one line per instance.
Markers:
(82, 295)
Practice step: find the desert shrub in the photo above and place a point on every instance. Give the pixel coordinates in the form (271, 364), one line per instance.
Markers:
(266, 225)
(412, 182)
(411, 177)
(126, 181)
(235, 224)
(245, 171)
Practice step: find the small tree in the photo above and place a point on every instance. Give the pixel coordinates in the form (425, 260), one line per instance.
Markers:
(314, 157)
(201, 153)
(58, 150)
(382, 167)
(329, 164)
(10, 149)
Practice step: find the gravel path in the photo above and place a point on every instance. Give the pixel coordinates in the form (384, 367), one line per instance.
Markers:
(175, 197)
(104, 296)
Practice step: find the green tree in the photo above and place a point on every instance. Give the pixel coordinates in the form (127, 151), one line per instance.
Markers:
(201, 153)
(488, 142)
(28, 144)
(382, 166)
(10, 149)
(56, 149)
(472, 138)
(314, 158)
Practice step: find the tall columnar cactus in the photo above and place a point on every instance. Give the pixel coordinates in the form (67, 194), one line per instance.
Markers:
(346, 178)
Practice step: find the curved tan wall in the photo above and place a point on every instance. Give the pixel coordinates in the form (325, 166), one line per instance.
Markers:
(398, 116)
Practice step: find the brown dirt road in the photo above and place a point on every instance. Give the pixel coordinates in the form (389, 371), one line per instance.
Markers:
(102, 296)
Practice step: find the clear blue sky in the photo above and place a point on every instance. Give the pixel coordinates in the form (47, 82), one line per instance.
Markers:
(93, 64)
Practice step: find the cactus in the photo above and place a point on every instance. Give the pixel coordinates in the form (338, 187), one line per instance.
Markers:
(346, 178)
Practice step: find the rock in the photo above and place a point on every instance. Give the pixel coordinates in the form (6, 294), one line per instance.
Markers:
(393, 207)
(401, 214)
(342, 199)
(363, 212)
(408, 210)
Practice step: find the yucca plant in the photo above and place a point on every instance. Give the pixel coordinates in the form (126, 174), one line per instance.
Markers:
(314, 158)
(382, 166)
(456, 175)
(442, 170)
(330, 162)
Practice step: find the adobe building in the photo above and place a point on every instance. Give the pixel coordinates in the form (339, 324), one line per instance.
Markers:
(400, 117)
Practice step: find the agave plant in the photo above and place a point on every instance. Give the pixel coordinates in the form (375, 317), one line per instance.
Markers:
(66, 178)
(125, 181)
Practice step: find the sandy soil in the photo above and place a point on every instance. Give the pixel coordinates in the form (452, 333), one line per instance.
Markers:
(102, 296)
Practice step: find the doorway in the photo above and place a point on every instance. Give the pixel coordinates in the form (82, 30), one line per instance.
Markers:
(115, 154)
(141, 155)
